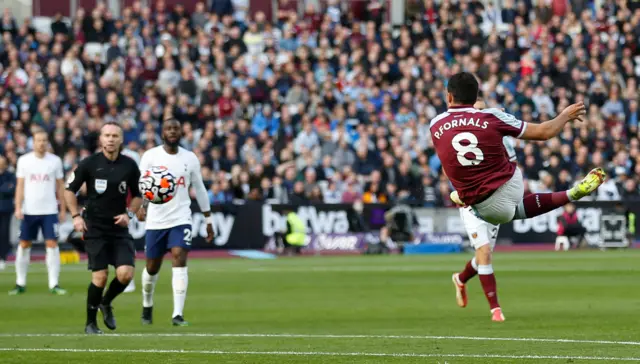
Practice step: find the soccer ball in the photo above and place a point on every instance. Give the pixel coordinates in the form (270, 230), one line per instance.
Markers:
(157, 185)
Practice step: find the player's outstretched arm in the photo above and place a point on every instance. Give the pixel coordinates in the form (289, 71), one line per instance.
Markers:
(552, 128)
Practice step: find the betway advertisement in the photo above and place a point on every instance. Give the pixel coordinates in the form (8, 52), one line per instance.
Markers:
(340, 227)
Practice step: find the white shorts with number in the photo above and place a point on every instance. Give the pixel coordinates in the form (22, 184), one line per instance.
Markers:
(479, 231)
(501, 206)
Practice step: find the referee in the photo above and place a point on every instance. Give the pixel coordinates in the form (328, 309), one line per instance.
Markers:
(109, 176)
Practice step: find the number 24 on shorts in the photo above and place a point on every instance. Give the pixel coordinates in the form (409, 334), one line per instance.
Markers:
(470, 148)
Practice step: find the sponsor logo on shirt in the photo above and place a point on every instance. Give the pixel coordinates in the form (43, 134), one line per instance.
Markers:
(39, 178)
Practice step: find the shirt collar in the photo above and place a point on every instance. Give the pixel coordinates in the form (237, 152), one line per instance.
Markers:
(109, 160)
(461, 108)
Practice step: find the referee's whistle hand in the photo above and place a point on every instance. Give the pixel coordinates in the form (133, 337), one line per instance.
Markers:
(122, 220)
(79, 224)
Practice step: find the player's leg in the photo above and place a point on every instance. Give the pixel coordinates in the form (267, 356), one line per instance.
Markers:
(180, 244)
(540, 203)
(123, 255)
(470, 270)
(98, 254)
(50, 233)
(5, 237)
(28, 232)
(155, 249)
(488, 281)
(482, 236)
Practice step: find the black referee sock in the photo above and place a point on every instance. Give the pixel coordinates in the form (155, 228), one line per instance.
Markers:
(115, 288)
(94, 295)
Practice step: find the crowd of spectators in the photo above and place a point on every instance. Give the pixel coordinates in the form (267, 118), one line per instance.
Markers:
(328, 102)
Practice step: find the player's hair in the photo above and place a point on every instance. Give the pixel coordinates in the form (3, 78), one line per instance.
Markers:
(170, 120)
(39, 130)
(463, 87)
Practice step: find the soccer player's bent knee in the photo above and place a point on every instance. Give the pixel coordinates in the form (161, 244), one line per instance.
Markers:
(124, 274)
(51, 244)
(483, 254)
(99, 278)
(179, 262)
(25, 244)
(153, 266)
(179, 258)
(152, 270)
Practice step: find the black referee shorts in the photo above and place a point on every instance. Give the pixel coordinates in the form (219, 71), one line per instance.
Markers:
(105, 250)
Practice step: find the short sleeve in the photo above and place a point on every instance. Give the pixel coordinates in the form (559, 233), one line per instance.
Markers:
(59, 169)
(507, 124)
(145, 161)
(77, 177)
(134, 177)
(196, 168)
(20, 168)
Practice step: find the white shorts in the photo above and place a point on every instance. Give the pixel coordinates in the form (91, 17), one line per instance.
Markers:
(501, 206)
(479, 231)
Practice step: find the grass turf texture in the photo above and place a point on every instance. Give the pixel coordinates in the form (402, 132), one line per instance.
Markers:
(383, 309)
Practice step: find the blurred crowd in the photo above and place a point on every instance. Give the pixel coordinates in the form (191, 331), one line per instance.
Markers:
(328, 102)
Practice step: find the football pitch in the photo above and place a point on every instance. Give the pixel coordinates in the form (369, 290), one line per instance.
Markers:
(561, 307)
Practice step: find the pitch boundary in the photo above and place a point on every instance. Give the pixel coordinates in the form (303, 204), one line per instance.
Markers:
(318, 353)
(335, 336)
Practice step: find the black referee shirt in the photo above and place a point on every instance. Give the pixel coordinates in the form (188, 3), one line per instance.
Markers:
(108, 183)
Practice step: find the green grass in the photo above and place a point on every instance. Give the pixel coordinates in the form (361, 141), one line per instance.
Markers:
(355, 306)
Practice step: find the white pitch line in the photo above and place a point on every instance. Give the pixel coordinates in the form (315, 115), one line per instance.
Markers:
(330, 336)
(320, 353)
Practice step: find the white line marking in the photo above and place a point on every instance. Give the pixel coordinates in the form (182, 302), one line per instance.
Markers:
(320, 353)
(321, 336)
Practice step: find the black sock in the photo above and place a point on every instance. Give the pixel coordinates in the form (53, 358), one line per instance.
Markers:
(115, 288)
(94, 295)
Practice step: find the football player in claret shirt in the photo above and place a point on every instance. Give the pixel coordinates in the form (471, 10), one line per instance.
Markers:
(470, 145)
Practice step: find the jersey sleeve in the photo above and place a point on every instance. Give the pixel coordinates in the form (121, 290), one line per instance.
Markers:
(20, 168)
(145, 161)
(507, 124)
(198, 185)
(78, 177)
(59, 169)
(134, 177)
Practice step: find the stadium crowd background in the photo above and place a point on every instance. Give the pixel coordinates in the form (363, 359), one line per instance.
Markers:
(332, 104)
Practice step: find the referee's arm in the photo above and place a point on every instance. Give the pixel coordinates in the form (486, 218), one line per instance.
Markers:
(136, 197)
(74, 183)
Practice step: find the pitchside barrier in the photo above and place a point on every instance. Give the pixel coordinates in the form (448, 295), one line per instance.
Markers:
(340, 227)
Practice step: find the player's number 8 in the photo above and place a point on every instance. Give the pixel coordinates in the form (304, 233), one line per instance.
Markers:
(470, 148)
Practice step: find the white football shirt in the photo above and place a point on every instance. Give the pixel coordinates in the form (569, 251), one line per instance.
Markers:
(185, 167)
(40, 175)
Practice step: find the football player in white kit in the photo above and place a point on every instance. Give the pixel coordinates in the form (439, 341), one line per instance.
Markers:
(482, 235)
(39, 188)
(168, 226)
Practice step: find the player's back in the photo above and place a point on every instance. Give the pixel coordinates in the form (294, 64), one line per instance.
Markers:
(181, 165)
(469, 143)
(40, 175)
